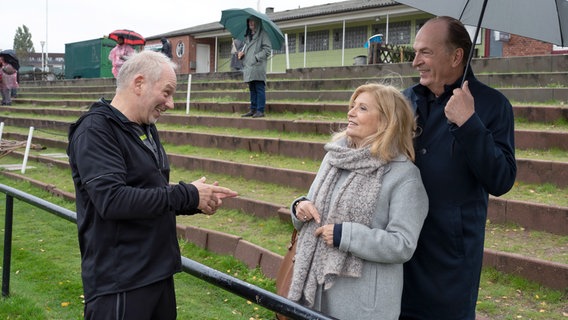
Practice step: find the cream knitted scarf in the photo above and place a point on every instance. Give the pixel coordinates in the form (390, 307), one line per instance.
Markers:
(355, 201)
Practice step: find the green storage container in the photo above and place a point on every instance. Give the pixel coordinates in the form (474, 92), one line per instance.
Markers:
(88, 59)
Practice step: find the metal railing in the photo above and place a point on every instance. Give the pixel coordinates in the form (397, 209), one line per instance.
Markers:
(241, 288)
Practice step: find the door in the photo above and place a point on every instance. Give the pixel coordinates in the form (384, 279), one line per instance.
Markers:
(203, 59)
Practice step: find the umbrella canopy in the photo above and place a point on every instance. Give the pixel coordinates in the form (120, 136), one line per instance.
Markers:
(9, 56)
(545, 20)
(235, 20)
(130, 37)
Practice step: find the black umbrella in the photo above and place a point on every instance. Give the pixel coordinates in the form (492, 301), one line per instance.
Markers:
(9, 56)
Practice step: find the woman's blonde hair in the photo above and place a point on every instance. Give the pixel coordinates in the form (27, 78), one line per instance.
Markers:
(397, 123)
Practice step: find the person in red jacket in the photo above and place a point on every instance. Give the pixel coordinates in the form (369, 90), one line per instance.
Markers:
(126, 206)
(465, 152)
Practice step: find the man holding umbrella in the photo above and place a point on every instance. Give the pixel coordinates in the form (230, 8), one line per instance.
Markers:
(257, 49)
(465, 151)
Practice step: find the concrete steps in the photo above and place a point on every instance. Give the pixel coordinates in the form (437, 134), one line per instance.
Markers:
(536, 79)
(550, 274)
(539, 79)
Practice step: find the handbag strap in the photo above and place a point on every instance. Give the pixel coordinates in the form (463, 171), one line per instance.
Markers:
(293, 239)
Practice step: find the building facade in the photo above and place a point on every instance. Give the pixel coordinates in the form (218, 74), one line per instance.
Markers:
(330, 35)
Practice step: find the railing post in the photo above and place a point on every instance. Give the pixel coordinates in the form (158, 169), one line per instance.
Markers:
(7, 245)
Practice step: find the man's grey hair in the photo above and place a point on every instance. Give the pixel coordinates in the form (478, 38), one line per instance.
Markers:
(148, 63)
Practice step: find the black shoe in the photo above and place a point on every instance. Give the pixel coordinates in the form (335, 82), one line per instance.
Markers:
(258, 114)
(248, 114)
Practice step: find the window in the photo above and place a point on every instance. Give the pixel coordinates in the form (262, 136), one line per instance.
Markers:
(355, 37)
(419, 24)
(291, 45)
(225, 49)
(399, 32)
(317, 41)
(180, 49)
(292, 41)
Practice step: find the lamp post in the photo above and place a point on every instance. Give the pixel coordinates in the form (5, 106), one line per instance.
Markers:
(46, 50)
(42, 63)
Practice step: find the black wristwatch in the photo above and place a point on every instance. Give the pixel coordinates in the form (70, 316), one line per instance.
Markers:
(295, 204)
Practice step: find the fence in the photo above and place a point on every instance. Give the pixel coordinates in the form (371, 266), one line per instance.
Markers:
(389, 53)
(246, 290)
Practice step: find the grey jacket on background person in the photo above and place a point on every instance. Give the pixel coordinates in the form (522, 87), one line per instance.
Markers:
(256, 52)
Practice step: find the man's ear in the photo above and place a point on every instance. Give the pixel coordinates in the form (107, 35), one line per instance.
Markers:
(457, 57)
(138, 84)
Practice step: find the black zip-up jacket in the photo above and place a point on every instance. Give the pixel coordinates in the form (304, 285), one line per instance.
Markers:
(126, 207)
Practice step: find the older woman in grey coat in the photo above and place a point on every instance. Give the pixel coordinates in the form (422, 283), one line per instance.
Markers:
(363, 214)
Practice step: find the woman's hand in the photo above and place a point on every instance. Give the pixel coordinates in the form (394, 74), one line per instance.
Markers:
(326, 233)
(306, 211)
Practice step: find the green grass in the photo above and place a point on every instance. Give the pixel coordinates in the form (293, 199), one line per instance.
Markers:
(507, 297)
(535, 244)
(46, 272)
(558, 125)
(520, 123)
(238, 223)
(59, 133)
(549, 155)
(238, 132)
(272, 234)
(546, 193)
(537, 193)
(501, 296)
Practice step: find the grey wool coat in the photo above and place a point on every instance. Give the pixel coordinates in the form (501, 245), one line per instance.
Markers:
(256, 50)
(390, 241)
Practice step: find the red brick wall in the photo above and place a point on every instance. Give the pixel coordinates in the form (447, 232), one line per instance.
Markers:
(521, 46)
(188, 54)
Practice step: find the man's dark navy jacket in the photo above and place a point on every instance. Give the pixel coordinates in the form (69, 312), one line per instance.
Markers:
(460, 166)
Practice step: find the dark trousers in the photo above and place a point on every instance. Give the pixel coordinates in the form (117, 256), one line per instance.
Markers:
(257, 95)
(6, 97)
(153, 302)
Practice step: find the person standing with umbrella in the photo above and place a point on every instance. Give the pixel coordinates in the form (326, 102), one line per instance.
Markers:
(8, 80)
(119, 54)
(465, 152)
(257, 49)
(10, 61)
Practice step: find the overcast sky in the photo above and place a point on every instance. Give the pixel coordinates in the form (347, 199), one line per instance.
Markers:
(67, 21)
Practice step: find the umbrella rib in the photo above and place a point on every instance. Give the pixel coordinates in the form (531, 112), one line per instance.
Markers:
(463, 9)
(559, 23)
